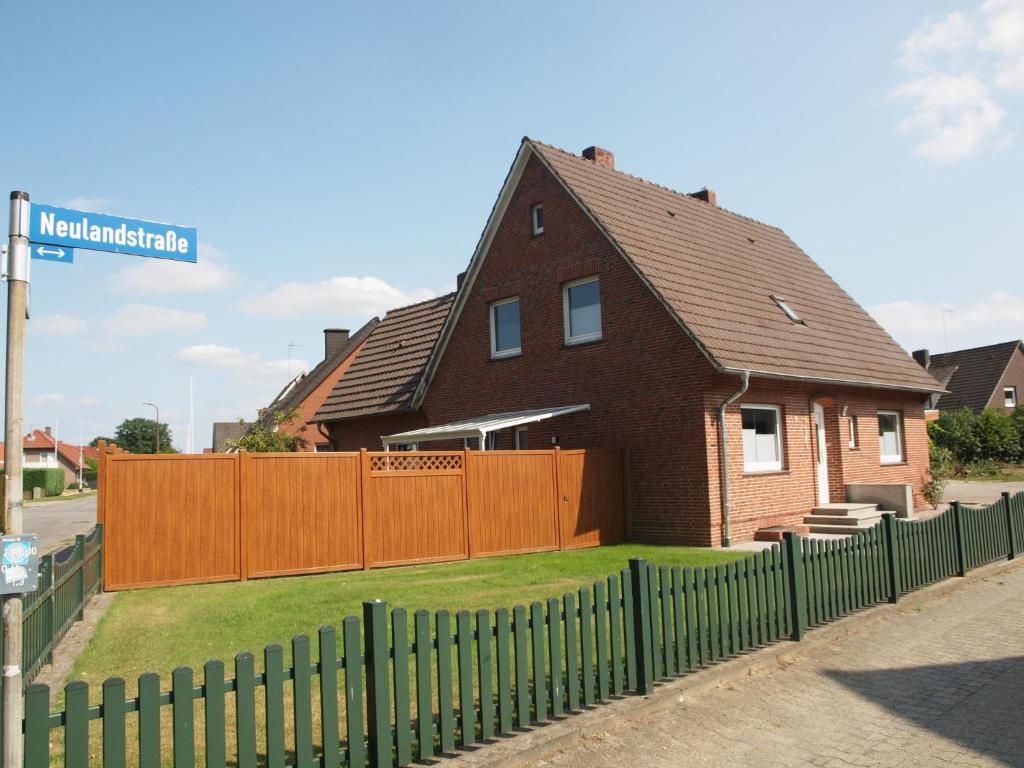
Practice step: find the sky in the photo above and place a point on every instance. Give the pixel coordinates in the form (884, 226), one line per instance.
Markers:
(340, 159)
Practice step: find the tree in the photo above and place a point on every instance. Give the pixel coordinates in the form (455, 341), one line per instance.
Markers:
(95, 442)
(267, 435)
(138, 435)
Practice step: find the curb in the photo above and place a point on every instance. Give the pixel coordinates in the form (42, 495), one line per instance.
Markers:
(528, 746)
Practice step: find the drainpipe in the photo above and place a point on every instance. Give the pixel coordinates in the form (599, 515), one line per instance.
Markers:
(723, 453)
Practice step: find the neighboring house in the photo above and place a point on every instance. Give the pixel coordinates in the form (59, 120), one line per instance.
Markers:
(307, 392)
(223, 431)
(977, 378)
(601, 310)
(38, 447)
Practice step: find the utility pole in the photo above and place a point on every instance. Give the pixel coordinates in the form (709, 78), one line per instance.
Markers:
(151, 405)
(17, 305)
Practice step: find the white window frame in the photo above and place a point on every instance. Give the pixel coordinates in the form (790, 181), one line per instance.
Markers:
(526, 435)
(538, 229)
(851, 425)
(1010, 397)
(583, 337)
(764, 466)
(896, 458)
(511, 351)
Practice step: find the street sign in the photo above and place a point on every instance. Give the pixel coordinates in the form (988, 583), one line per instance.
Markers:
(53, 253)
(50, 225)
(19, 564)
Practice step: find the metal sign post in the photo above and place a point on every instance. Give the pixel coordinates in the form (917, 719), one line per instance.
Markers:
(49, 233)
(17, 297)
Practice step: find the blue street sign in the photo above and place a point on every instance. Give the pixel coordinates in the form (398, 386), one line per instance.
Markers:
(100, 232)
(52, 253)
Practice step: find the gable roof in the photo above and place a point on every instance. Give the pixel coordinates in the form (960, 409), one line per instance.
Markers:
(228, 430)
(976, 375)
(302, 386)
(38, 440)
(387, 371)
(719, 274)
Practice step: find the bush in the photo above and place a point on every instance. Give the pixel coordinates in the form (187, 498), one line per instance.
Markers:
(50, 480)
(942, 467)
(990, 436)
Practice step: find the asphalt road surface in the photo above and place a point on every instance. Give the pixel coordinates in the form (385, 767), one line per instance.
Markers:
(57, 522)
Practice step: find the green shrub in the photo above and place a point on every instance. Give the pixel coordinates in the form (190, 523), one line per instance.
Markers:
(50, 480)
(991, 436)
(942, 466)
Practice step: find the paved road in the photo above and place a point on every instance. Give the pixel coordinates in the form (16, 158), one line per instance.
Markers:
(57, 522)
(939, 685)
(977, 492)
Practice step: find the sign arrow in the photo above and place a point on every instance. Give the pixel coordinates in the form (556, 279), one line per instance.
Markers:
(53, 253)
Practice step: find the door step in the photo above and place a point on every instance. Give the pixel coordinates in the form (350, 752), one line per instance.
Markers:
(844, 519)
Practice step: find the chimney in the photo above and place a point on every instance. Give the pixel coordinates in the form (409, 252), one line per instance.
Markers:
(924, 359)
(707, 195)
(48, 432)
(459, 280)
(334, 340)
(600, 156)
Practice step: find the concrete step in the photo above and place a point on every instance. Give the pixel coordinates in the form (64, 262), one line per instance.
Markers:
(845, 509)
(861, 521)
(842, 530)
(777, 532)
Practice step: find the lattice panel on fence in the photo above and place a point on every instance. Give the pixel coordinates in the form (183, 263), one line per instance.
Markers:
(397, 462)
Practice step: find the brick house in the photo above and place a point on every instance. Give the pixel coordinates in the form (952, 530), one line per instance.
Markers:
(307, 391)
(651, 317)
(42, 450)
(978, 378)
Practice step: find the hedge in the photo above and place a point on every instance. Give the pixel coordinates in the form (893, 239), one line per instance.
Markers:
(50, 480)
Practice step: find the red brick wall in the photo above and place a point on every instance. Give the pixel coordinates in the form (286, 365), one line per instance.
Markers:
(365, 432)
(639, 378)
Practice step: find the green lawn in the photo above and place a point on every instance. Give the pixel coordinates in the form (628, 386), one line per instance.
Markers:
(156, 630)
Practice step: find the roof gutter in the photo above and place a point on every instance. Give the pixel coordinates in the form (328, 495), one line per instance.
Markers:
(723, 455)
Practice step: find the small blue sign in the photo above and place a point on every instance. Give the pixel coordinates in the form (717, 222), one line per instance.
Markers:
(50, 225)
(52, 253)
(19, 564)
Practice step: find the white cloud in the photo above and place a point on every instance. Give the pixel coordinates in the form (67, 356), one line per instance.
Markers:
(165, 276)
(956, 65)
(956, 115)
(334, 296)
(58, 325)
(48, 399)
(146, 319)
(953, 33)
(94, 204)
(995, 318)
(247, 367)
(88, 400)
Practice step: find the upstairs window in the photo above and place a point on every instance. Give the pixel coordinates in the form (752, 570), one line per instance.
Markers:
(762, 438)
(1010, 397)
(890, 438)
(537, 213)
(505, 340)
(581, 304)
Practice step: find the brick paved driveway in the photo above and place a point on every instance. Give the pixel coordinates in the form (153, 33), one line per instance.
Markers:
(942, 684)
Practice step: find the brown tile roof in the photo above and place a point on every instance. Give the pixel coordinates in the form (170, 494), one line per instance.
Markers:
(387, 370)
(976, 375)
(719, 271)
(227, 430)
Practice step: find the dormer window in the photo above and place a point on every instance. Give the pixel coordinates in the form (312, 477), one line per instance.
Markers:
(790, 312)
(538, 219)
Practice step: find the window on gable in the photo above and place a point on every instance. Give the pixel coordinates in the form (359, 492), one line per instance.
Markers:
(762, 438)
(538, 219)
(890, 439)
(505, 340)
(1010, 397)
(785, 307)
(581, 306)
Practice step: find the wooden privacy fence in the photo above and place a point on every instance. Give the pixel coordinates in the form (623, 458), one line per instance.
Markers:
(178, 519)
(388, 693)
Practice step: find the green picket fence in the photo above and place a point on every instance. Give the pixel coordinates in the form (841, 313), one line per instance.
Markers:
(396, 688)
(68, 578)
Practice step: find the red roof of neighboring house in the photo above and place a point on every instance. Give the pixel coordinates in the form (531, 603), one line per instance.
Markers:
(38, 440)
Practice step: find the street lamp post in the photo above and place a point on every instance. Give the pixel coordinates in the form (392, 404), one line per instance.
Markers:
(153, 406)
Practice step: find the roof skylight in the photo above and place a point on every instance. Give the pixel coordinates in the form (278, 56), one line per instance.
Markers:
(790, 312)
